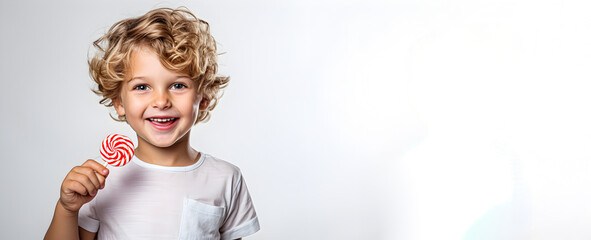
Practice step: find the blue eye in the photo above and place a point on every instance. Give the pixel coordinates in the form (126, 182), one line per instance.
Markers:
(141, 87)
(178, 86)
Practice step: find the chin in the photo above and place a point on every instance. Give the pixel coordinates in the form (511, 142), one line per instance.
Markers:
(164, 144)
(161, 143)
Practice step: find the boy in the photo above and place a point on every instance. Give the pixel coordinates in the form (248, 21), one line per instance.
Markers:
(159, 73)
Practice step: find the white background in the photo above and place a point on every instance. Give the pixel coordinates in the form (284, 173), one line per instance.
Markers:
(349, 119)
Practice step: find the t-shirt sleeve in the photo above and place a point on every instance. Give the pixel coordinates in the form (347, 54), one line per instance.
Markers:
(87, 218)
(241, 220)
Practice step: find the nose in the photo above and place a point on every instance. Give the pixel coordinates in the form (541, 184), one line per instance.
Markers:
(161, 100)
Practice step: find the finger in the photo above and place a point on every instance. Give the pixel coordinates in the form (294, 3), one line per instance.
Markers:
(101, 179)
(73, 186)
(90, 173)
(85, 181)
(99, 168)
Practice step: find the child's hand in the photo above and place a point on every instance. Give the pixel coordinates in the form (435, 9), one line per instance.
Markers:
(82, 184)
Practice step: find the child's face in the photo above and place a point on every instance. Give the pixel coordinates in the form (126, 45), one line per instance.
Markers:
(160, 105)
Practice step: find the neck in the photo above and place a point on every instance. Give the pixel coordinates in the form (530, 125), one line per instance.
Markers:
(178, 154)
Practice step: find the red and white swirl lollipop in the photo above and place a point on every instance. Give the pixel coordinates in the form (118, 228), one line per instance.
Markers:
(117, 150)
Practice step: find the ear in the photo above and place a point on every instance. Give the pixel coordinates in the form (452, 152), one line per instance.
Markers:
(119, 107)
(204, 103)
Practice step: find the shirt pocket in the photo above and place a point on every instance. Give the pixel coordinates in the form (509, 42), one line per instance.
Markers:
(200, 221)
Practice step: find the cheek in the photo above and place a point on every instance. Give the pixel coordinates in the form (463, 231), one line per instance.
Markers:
(138, 108)
(133, 107)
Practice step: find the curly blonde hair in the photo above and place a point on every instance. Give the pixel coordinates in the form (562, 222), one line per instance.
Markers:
(181, 40)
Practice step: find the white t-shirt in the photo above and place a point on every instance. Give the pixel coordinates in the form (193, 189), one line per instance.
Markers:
(207, 200)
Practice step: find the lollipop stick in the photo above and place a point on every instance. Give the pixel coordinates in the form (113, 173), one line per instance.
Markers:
(105, 163)
(98, 175)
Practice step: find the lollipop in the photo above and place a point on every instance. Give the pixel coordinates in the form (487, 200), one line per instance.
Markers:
(117, 150)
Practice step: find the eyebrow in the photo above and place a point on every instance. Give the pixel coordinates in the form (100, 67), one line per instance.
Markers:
(136, 78)
(147, 78)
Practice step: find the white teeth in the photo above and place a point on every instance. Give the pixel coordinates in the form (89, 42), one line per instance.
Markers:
(161, 119)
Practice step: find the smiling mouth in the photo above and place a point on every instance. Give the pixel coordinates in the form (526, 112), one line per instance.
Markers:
(162, 121)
